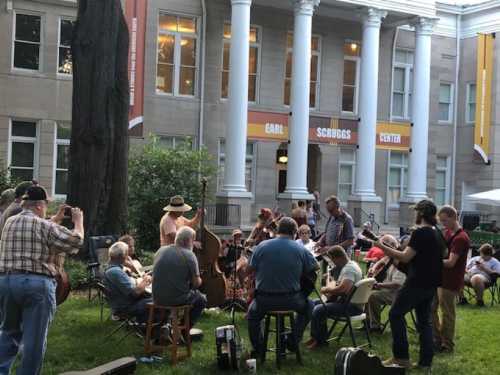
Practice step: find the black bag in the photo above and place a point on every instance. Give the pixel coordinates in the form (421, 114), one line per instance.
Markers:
(355, 361)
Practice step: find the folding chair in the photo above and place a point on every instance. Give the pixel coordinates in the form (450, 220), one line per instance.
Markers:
(359, 296)
(412, 316)
(493, 287)
(126, 321)
(98, 258)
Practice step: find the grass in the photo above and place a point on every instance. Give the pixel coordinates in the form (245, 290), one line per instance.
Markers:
(77, 341)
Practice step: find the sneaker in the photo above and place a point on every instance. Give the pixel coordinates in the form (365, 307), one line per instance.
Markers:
(405, 363)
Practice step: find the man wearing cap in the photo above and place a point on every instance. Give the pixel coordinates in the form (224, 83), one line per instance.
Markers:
(29, 246)
(424, 256)
(174, 219)
(15, 207)
(262, 230)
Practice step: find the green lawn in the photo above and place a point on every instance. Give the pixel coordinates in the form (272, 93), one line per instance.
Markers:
(76, 341)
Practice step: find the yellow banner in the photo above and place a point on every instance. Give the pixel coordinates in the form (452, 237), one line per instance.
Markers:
(393, 136)
(483, 95)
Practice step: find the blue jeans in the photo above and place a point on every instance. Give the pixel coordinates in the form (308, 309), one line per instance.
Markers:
(27, 306)
(262, 304)
(407, 299)
(320, 315)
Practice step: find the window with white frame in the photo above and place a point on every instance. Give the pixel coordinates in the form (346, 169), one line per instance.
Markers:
(442, 181)
(253, 62)
(23, 150)
(169, 141)
(315, 69)
(61, 158)
(27, 41)
(470, 109)
(347, 164)
(445, 102)
(398, 177)
(249, 167)
(65, 59)
(350, 87)
(402, 84)
(177, 55)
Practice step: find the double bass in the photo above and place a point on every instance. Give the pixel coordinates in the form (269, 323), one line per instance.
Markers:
(213, 281)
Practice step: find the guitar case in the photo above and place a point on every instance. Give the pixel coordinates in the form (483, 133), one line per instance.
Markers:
(355, 361)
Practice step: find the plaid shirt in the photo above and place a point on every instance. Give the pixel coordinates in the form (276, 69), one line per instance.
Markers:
(30, 243)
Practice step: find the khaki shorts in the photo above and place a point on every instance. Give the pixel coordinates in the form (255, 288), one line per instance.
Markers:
(468, 277)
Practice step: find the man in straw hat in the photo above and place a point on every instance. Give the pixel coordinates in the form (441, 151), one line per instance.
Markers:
(174, 219)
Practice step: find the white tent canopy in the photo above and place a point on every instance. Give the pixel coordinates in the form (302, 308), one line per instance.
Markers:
(491, 197)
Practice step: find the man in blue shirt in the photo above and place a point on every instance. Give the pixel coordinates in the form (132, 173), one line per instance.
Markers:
(125, 295)
(279, 265)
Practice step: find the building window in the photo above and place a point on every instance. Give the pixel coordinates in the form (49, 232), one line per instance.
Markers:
(347, 163)
(61, 158)
(402, 85)
(27, 40)
(445, 102)
(350, 87)
(442, 181)
(315, 69)
(65, 63)
(177, 55)
(470, 109)
(249, 167)
(398, 177)
(23, 150)
(254, 61)
(168, 141)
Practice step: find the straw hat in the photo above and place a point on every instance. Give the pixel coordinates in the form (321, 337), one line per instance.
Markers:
(177, 205)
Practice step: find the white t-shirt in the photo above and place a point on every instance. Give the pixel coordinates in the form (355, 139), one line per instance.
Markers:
(309, 246)
(493, 264)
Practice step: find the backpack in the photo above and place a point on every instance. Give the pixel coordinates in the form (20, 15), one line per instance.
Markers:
(355, 361)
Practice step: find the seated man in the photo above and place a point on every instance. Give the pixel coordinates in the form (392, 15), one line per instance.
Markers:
(279, 265)
(385, 292)
(131, 262)
(480, 270)
(176, 275)
(335, 292)
(125, 295)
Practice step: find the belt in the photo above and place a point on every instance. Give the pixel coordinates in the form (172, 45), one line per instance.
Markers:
(23, 272)
(276, 294)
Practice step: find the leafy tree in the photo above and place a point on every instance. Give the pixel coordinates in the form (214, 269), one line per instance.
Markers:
(157, 173)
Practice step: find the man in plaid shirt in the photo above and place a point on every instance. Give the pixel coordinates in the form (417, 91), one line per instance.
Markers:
(29, 244)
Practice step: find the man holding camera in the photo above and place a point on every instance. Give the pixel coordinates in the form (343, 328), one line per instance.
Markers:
(29, 245)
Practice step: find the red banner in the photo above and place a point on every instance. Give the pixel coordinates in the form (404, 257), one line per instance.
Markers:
(136, 15)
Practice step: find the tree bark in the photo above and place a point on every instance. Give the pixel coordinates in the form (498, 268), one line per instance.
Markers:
(99, 142)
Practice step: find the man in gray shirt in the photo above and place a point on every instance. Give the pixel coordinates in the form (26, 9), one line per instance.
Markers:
(176, 275)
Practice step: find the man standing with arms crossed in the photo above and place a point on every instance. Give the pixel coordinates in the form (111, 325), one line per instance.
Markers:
(458, 244)
(28, 248)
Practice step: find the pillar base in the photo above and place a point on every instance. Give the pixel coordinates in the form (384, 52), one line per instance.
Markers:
(244, 201)
(363, 209)
(285, 200)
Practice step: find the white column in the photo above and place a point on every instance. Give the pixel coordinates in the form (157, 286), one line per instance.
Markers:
(417, 167)
(236, 130)
(365, 158)
(296, 179)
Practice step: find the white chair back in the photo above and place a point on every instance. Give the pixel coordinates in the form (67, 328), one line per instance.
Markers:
(363, 290)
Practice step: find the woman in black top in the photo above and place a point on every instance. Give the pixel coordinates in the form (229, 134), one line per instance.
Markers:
(424, 257)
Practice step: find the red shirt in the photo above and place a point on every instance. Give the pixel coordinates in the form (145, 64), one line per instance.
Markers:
(453, 278)
(375, 252)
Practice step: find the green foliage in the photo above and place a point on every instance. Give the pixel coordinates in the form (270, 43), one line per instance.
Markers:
(77, 272)
(146, 258)
(6, 182)
(157, 173)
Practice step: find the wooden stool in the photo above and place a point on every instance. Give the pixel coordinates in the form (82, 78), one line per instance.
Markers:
(180, 324)
(280, 331)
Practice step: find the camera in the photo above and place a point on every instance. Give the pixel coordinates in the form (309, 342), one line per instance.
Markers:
(67, 212)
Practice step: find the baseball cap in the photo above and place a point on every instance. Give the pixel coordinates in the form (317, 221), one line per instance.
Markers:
(35, 193)
(22, 187)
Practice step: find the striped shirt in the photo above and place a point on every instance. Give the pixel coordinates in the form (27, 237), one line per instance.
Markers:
(32, 244)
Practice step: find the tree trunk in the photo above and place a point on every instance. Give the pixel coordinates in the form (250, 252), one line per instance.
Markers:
(99, 141)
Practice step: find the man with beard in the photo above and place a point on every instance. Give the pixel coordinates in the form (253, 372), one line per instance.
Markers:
(424, 256)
